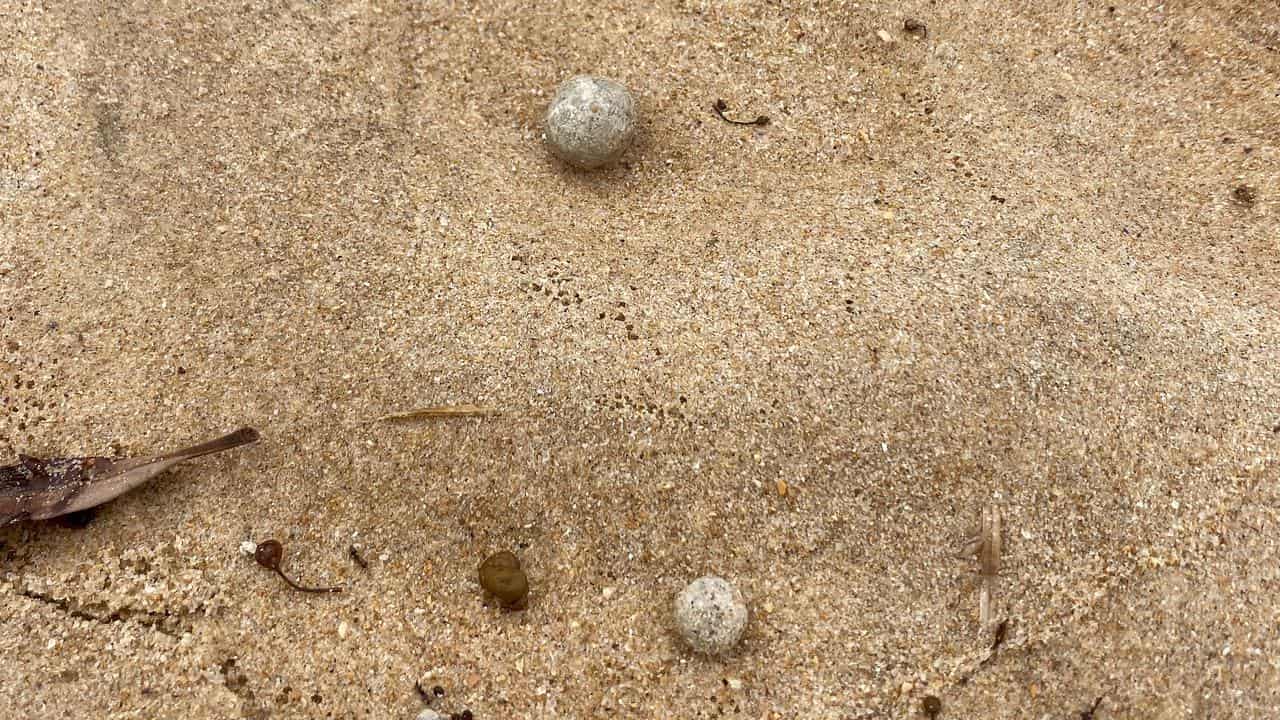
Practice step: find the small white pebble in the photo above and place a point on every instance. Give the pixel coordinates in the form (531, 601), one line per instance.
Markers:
(884, 36)
(248, 547)
(344, 629)
(607, 592)
(733, 683)
(430, 714)
(711, 615)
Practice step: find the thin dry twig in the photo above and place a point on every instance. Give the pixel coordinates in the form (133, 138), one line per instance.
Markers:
(440, 411)
(720, 106)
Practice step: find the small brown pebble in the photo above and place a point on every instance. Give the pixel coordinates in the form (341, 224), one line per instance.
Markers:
(501, 576)
(931, 706)
(1245, 195)
(916, 28)
(269, 553)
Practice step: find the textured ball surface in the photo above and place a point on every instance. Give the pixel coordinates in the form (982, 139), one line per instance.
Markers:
(501, 575)
(711, 615)
(590, 121)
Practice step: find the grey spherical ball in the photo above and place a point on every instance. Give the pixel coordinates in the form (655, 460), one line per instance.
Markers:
(590, 121)
(711, 615)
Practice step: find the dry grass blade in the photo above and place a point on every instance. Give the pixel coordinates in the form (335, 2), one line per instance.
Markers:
(440, 411)
(989, 553)
(989, 562)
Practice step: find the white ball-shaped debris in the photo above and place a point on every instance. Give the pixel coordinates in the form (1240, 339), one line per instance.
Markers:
(711, 615)
(590, 121)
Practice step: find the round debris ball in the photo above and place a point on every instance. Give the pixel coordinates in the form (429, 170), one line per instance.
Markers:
(711, 615)
(501, 575)
(590, 121)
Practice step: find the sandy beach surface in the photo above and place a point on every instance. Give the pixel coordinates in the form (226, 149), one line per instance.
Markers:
(1024, 259)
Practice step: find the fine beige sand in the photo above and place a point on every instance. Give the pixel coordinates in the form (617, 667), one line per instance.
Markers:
(1028, 261)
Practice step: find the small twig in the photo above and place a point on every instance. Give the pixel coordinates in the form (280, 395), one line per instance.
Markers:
(720, 106)
(304, 588)
(440, 411)
(357, 558)
(1088, 714)
(1001, 631)
(997, 640)
(269, 553)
